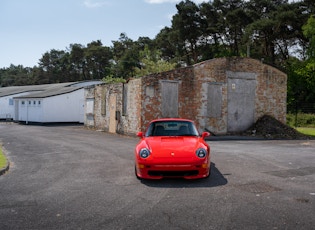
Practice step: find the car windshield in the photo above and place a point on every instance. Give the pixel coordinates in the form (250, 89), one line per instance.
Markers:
(172, 128)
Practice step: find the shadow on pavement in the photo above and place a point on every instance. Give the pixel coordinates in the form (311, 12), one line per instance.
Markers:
(214, 180)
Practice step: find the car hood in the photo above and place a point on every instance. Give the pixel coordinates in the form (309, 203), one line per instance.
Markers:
(163, 147)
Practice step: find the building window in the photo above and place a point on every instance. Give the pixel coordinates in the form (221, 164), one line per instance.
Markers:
(34, 102)
(39, 102)
(11, 102)
(29, 102)
(23, 102)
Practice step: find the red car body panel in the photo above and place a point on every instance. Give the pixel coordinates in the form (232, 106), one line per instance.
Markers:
(172, 155)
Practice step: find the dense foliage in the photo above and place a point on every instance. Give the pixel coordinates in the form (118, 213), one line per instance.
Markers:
(301, 120)
(279, 32)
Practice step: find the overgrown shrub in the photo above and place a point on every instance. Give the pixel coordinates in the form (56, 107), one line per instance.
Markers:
(301, 120)
(113, 80)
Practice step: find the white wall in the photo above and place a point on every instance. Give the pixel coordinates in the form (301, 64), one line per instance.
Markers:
(7, 105)
(62, 108)
(30, 110)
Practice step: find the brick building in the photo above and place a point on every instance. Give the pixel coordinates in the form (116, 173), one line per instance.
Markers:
(221, 95)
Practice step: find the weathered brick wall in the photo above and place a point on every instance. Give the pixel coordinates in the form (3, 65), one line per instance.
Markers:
(144, 96)
(99, 103)
(271, 90)
(101, 94)
(151, 98)
(208, 72)
(270, 95)
(89, 109)
(131, 120)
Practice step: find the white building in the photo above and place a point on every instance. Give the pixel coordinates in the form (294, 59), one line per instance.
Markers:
(62, 102)
(7, 94)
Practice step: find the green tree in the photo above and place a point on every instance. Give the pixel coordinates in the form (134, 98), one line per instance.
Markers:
(262, 32)
(152, 62)
(301, 83)
(165, 44)
(213, 38)
(309, 33)
(233, 20)
(77, 68)
(54, 64)
(126, 57)
(188, 27)
(16, 76)
(98, 60)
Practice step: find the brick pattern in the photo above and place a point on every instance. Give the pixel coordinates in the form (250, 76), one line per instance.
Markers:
(271, 89)
(130, 122)
(144, 95)
(187, 100)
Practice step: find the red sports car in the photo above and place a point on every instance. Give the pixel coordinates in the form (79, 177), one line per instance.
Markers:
(172, 147)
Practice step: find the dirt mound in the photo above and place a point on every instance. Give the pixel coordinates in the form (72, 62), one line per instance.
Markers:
(270, 128)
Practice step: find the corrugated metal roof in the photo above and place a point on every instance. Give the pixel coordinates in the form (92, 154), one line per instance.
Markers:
(51, 92)
(47, 90)
(11, 90)
(7, 91)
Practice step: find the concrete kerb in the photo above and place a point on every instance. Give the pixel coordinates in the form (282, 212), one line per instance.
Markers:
(251, 138)
(234, 138)
(7, 167)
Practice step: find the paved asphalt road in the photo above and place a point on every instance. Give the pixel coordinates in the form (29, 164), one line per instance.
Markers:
(67, 177)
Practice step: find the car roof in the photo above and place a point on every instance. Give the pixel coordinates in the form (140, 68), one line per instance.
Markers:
(171, 119)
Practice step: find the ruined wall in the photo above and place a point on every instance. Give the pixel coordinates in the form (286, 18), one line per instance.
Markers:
(89, 95)
(271, 96)
(211, 72)
(270, 90)
(97, 108)
(131, 115)
(127, 103)
(203, 96)
(152, 95)
(100, 107)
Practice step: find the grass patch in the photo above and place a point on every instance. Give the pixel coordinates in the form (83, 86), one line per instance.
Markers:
(306, 131)
(3, 160)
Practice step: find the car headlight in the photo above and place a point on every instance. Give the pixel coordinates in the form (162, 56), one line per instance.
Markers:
(144, 153)
(201, 153)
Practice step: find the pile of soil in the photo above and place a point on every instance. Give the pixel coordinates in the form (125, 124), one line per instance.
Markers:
(270, 128)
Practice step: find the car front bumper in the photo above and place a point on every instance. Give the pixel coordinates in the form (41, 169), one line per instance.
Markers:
(187, 171)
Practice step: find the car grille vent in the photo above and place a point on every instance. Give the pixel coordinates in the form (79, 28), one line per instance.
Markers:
(173, 173)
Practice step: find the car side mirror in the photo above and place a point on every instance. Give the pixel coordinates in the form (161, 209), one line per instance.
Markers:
(205, 134)
(140, 134)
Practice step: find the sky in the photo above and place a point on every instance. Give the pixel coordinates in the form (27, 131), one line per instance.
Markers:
(30, 28)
